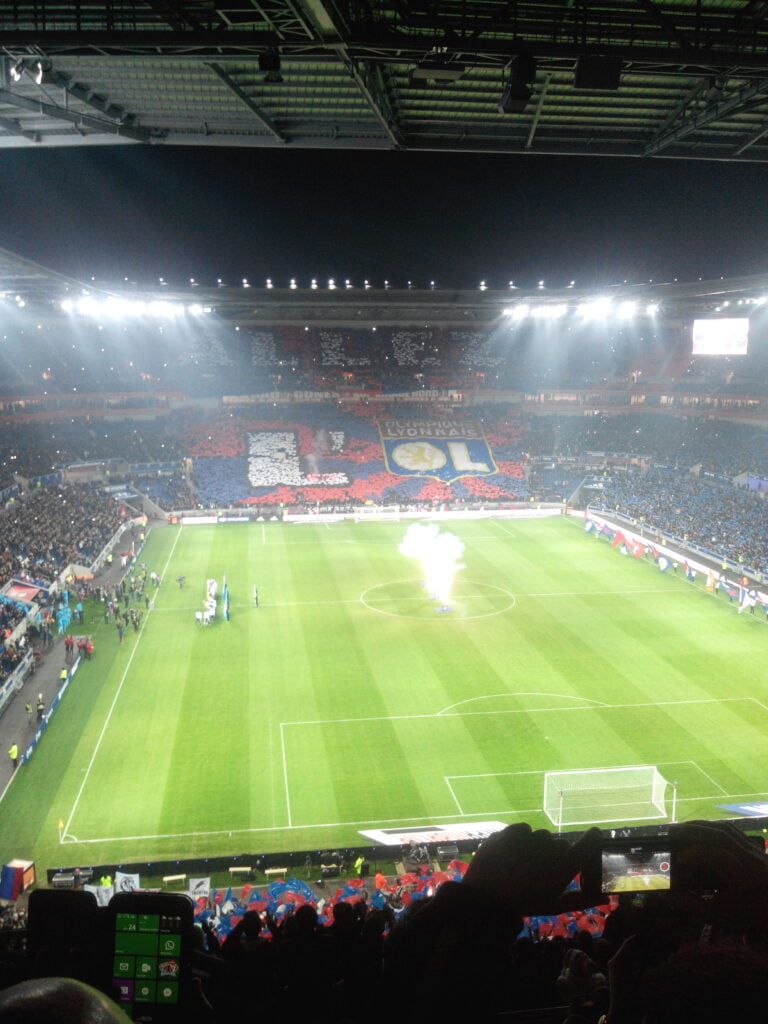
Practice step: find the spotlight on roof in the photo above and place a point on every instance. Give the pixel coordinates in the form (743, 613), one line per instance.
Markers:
(517, 89)
(269, 62)
(17, 70)
(627, 309)
(652, 308)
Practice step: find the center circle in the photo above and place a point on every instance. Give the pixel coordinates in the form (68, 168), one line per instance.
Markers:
(408, 599)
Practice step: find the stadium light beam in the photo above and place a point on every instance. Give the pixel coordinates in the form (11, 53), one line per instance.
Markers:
(594, 309)
(552, 311)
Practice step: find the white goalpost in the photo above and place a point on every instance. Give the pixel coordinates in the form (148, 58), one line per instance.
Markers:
(601, 795)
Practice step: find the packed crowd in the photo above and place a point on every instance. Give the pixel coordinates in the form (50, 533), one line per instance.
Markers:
(138, 359)
(36, 448)
(41, 533)
(731, 523)
(718, 446)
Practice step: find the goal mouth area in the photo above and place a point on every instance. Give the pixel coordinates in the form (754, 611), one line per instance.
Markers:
(605, 795)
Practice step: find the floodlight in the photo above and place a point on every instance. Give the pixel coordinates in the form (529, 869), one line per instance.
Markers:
(269, 283)
(67, 305)
(550, 312)
(87, 306)
(595, 308)
(195, 309)
(17, 70)
(519, 312)
(293, 284)
(331, 283)
(652, 308)
(313, 285)
(627, 309)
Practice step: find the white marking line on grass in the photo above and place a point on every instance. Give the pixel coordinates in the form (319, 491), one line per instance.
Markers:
(450, 787)
(285, 776)
(124, 676)
(523, 693)
(706, 776)
(520, 711)
(542, 771)
(367, 822)
(420, 597)
(443, 818)
(67, 838)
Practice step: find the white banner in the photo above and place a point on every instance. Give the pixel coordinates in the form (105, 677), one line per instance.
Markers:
(103, 893)
(199, 887)
(433, 833)
(125, 882)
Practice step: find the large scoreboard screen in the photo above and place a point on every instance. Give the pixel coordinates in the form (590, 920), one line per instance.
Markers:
(724, 336)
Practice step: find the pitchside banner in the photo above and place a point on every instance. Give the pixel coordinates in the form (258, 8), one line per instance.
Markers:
(445, 449)
(432, 833)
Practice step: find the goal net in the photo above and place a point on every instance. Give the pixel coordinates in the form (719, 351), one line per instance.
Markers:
(600, 795)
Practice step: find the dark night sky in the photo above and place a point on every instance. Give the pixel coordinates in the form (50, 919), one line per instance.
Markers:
(181, 212)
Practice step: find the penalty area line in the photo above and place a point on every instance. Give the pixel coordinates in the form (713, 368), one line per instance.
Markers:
(365, 822)
(115, 699)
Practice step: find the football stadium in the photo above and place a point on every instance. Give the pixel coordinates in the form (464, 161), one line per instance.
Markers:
(376, 645)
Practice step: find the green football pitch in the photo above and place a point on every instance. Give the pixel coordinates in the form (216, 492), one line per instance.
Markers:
(346, 701)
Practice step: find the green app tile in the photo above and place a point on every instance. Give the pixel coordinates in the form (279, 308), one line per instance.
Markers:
(169, 945)
(122, 966)
(149, 922)
(168, 992)
(146, 967)
(145, 992)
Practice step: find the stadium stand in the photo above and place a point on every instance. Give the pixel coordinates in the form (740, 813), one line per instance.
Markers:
(455, 944)
(41, 533)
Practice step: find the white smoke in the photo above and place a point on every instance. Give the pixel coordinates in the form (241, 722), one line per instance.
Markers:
(439, 555)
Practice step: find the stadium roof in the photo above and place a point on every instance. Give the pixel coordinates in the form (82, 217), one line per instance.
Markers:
(671, 78)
